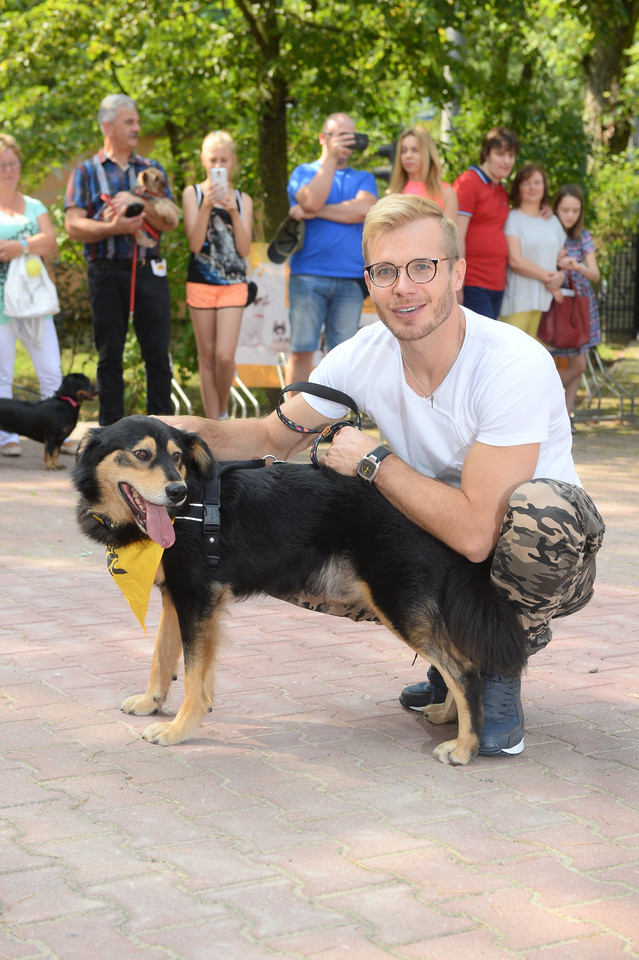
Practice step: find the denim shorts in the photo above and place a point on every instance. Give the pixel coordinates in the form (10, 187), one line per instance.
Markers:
(315, 303)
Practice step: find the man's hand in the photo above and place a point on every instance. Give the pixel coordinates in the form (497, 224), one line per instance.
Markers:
(115, 214)
(347, 449)
(339, 145)
(298, 212)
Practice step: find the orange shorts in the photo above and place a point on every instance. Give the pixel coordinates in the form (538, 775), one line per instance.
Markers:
(203, 296)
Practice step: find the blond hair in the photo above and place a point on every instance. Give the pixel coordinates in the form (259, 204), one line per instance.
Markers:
(432, 168)
(220, 138)
(7, 142)
(396, 210)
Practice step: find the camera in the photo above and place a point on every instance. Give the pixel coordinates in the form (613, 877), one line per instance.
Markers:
(134, 209)
(361, 141)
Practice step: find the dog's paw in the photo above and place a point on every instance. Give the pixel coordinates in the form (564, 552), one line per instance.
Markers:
(441, 712)
(454, 753)
(166, 734)
(141, 705)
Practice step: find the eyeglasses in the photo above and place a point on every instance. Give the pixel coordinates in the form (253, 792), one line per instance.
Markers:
(12, 165)
(420, 271)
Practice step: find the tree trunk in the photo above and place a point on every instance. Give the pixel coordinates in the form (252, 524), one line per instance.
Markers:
(272, 158)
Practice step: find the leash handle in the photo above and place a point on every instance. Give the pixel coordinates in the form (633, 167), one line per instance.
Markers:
(325, 393)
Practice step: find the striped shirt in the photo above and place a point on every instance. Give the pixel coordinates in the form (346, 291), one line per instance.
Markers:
(101, 175)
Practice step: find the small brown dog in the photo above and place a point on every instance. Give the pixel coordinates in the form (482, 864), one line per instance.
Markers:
(151, 186)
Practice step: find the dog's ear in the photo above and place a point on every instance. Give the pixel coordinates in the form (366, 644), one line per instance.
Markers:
(88, 442)
(197, 454)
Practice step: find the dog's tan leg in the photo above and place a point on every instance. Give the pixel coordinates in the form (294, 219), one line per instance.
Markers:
(460, 751)
(199, 674)
(445, 712)
(51, 461)
(168, 647)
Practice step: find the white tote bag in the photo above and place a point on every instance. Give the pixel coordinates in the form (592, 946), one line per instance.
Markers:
(29, 296)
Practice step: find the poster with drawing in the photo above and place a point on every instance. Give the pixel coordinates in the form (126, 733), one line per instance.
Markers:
(265, 330)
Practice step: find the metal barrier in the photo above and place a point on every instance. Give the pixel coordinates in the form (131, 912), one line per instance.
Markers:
(255, 375)
(598, 383)
(619, 295)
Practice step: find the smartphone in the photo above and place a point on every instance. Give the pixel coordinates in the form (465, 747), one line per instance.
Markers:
(220, 177)
(134, 209)
(361, 141)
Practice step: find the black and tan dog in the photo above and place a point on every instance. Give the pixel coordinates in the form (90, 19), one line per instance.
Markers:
(284, 530)
(49, 421)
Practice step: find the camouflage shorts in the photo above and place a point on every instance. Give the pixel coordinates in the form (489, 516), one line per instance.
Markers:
(545, 556)
(544, 560)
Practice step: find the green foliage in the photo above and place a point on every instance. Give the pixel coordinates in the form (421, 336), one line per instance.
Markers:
(615, 206)
(270, 71)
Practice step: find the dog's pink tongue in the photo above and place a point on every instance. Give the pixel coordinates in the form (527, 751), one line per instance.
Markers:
(158, 525)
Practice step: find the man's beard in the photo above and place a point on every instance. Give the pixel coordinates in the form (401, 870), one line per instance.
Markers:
(441, 310)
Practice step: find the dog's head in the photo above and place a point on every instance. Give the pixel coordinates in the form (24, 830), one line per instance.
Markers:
(151, 181)
(76, 386)
(132, 478)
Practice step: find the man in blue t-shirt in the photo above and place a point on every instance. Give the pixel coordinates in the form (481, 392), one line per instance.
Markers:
(326, 286)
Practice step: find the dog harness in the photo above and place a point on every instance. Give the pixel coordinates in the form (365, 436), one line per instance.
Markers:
(207, 512)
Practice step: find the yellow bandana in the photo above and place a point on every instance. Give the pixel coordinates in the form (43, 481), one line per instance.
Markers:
(133, 568)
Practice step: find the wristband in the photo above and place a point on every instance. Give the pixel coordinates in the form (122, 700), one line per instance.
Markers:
(25, 246)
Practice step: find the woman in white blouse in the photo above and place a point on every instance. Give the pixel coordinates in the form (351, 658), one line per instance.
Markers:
(534, 243)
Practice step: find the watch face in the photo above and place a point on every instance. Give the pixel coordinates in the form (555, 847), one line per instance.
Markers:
(367, 468)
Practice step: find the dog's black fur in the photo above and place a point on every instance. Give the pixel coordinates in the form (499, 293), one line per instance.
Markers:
(286, 530)
(49, 421)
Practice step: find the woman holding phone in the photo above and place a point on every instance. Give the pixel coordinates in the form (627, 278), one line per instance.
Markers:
(218, 221)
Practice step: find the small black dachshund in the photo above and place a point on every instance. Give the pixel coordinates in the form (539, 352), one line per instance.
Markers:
(49, 421)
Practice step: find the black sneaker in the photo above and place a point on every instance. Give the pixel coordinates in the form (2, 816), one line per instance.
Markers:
(420, 695)
(503, 729)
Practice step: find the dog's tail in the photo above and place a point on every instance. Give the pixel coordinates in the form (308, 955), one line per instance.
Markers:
(483, 623)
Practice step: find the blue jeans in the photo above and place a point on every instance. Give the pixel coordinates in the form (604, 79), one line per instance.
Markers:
(333, 303)
(483, 301)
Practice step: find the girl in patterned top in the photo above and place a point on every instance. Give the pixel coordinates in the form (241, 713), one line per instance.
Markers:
(578, 261)
(218, 222)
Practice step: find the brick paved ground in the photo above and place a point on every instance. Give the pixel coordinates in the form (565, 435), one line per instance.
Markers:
(308, 819)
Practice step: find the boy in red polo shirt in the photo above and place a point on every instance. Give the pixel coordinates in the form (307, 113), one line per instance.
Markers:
(483, 209)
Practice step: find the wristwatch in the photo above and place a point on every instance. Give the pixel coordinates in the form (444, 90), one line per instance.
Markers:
(369, 465)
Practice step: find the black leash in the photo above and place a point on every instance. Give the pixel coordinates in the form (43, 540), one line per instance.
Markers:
(326, 393)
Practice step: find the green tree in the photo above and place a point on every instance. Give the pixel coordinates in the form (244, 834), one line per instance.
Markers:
(269, 71)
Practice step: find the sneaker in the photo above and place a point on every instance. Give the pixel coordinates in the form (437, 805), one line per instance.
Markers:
(503, 729)
(69, 447)
(420, 695)
(11, 449)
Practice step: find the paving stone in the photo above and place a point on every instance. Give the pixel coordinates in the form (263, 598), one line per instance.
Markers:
(307, 819)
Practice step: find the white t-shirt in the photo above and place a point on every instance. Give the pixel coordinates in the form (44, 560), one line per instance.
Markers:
(541, 240)
(503, 390)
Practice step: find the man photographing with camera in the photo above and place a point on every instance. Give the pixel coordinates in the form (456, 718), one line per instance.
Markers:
(104, 212)
(326, 287)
